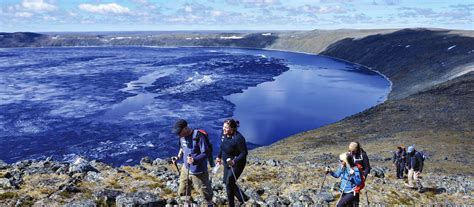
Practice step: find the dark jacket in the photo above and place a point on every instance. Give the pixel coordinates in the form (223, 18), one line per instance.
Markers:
(362, 159)
(415, 161)
(235, 148)
(399, 156)
(197, 147)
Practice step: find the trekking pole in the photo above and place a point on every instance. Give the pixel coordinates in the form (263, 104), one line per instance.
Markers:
(342, 190)
(366, 194)
(235, 177)
(174, 159)
(367, 197)
(187, 184)
(322, 184)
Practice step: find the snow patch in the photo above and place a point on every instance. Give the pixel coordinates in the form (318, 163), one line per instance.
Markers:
(452, 47)
(231, 37)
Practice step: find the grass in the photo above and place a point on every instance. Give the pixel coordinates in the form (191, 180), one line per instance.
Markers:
(8, 195)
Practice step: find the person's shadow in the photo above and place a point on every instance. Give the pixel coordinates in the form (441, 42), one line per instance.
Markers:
(433, 190)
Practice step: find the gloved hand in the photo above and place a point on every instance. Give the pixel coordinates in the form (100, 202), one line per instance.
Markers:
(230, 162)
(351, 171)
(174, 159)
(327, 170)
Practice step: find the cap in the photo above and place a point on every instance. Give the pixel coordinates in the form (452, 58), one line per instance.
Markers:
(410, 149)
(178, 126)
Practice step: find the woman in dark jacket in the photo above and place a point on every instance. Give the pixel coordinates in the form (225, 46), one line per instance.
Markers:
(234, 149)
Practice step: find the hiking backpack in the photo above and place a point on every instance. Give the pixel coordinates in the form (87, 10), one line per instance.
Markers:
(208, 143)
(358, 188)
(422, 155)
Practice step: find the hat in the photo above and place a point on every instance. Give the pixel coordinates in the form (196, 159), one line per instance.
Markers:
(178, 126)
(344, 157)
(410, 149)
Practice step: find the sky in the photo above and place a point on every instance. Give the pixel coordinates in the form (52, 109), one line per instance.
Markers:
(171, 15)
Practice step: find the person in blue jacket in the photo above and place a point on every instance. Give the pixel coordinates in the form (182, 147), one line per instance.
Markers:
(233, 148)
(194, 152)
(350, 178)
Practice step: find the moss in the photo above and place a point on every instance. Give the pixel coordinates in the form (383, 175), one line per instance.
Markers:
(8, 195)
(155, 185)
(113, 183)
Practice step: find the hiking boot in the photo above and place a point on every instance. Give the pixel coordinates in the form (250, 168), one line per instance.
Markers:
(409, 186)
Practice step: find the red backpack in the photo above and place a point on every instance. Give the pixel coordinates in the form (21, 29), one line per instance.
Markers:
(362, 177)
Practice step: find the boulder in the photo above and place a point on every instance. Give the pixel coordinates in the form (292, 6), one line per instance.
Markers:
(139, 199)
(93, 177)
(146, 160)
(378, 172)
(81, 203)
(3, 165)
(5, 183)
(107, 197)
(81, 165)
(159, 161)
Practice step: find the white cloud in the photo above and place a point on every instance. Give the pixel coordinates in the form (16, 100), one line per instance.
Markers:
(111, 8)
(255, 3)
(23, 14)
(319, 9)
(216, 13)
(188, 9)
(37, 5)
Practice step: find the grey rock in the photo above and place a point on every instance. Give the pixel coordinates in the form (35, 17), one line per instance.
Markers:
(46, 202)
(378, 172)
(3, 165)
(106, 197)
(159, 161)
(81, 165)
(5, 183)
(139, 199)
(82, 203)
(272, 162)
(305, 199)
(92, 177)
(322, 198)
(21, 165)
(146, 160)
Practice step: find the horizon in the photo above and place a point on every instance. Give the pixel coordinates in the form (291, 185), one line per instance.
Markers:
(234, 31)
(231, 15)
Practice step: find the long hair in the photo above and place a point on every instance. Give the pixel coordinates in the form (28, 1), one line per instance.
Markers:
(347, 158)
(234, 124)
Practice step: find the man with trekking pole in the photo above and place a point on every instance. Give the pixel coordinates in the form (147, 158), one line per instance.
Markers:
(194, 150)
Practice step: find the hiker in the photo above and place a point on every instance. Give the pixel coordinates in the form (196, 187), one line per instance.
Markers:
(194, 150)
(233, 148)
(399, 161)
(350, 179)
(415, 168)
(360, 157)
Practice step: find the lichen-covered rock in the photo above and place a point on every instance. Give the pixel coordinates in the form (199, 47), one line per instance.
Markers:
(139, 199)
(81, 165)
(92, 176)
(5, 183)
(3, 165)
(82, 203)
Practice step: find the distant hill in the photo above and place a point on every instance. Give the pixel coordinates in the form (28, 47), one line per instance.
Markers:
(22, 39)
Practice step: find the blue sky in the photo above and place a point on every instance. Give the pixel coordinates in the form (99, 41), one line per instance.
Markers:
(147, 15)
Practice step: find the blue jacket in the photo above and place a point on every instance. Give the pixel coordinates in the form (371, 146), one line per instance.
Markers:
(353, 181)
(196, 147)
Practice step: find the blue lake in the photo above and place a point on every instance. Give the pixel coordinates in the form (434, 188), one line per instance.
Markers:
(117, 104)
